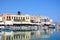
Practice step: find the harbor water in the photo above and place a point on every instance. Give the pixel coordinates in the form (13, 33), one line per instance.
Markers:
(42, 34)
(53, 36)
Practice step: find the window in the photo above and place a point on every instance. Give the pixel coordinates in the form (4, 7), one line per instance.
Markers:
(12, 17)
(19, 18)
(23, 18)
(32, 21)
(27, 17)
(8, 18)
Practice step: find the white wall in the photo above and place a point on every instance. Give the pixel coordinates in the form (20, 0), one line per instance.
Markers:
(9, 22)
(1, 19)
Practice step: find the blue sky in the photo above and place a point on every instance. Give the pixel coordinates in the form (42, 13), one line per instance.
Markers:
(49, 8)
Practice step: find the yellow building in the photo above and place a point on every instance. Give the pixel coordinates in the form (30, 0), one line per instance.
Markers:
(7, 19)
(15, 19)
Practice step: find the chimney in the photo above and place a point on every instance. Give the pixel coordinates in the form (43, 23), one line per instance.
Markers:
(19, 13)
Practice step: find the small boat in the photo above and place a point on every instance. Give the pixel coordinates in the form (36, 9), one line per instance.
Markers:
(52, 27)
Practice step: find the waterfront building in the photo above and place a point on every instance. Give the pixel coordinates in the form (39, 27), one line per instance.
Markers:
(10, 19)
(7, 19)
(16, 19)
(45, 20)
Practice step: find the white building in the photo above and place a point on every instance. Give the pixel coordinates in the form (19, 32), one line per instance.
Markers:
(1, 20)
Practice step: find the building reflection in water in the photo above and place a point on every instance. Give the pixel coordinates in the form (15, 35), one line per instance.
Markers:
(40, 34)
(24, 35)
(17, 36)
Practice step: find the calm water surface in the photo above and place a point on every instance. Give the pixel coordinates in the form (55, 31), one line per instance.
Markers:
(53, 36)
(38, 35)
